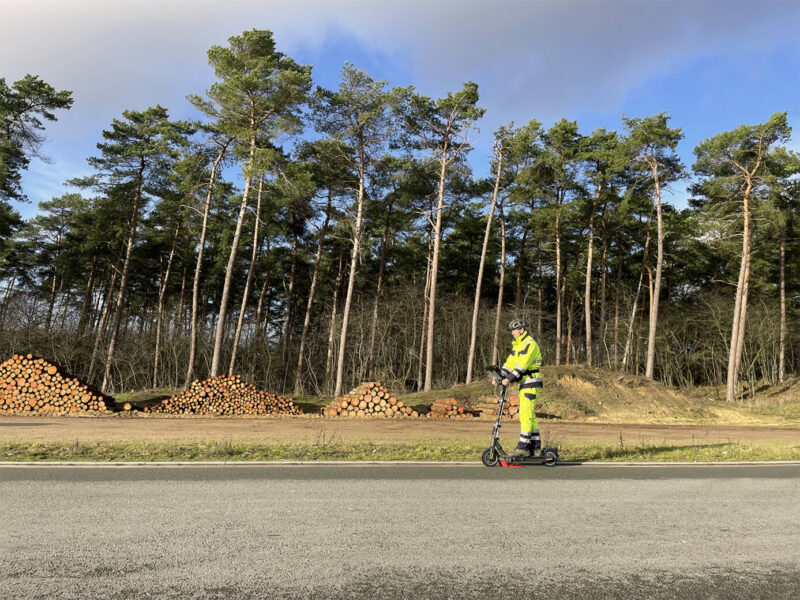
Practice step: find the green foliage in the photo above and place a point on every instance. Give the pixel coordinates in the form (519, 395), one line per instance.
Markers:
(23, 106)
(441, 125)
(259, 90)
(137, 153)
(739, 162)
(651, 144)
(406, 149)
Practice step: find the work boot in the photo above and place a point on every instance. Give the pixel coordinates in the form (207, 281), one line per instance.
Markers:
(536, 443)
(521, 451)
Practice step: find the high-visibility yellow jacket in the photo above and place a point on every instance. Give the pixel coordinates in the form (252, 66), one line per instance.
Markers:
(524, 362)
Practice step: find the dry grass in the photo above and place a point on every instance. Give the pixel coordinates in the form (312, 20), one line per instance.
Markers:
(576, 393)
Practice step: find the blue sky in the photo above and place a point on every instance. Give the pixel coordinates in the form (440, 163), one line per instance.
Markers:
(711, 64)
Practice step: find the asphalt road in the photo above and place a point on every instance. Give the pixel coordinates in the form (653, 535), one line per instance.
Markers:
(361, 531)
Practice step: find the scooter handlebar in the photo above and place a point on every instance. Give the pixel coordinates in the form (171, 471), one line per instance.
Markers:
(495, 370)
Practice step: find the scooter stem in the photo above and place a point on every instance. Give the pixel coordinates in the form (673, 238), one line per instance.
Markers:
(501, 405)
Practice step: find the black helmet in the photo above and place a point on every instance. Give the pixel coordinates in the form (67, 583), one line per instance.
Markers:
(517, 324)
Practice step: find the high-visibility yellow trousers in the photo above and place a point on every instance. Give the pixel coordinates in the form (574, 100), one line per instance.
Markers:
(527, 404)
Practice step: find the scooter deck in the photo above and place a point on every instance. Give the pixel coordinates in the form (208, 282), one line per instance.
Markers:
(510, 461)
(519, 462)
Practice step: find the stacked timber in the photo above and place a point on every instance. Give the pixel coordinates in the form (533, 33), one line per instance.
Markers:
(448, 408)
(511, 409)
(369, 399)
(225, 395)
(487, 407)
(30, 384)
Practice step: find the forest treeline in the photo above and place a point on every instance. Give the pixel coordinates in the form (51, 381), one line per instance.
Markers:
(310, 239)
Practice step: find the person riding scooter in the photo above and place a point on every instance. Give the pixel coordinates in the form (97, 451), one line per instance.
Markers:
(522, 367)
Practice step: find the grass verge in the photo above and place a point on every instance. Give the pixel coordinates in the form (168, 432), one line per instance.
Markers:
(423, 450)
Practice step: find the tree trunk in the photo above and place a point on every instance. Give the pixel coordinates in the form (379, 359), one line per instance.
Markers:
(569, 322)
(496, 340)
(216, 358)
(248, 282)
(51, 302)
(66, 300)
(743, 313)
(87, 299)
(160, 311)
(378, 293)
(332, 329)
(177, 326)
(267, 309)
(740, 306)
(7, 299)
(97, 306)
(588, 285)
(425, 309)
(199, 266)
(782, 352)
(289, 298)
(106, 385)
(476, 304)
(260, 332)
(637, 354)
(520, 269)
(558, 286)
(603, 276)
(309, 304)
(651, 336)
(540, 294)
(616, 305)
(629, 338)
(337, 390)
(434, 274)
(101, 326)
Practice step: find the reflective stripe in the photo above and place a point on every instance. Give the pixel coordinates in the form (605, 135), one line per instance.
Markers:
(531, 383)
(521, 352)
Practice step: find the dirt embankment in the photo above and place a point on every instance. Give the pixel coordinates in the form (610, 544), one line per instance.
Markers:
(574, 393)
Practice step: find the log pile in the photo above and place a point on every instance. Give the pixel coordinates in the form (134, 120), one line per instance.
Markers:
(225, 395)
(29, 384)
(511, 409)
(369, 399)
(487, 407)
(448, 408)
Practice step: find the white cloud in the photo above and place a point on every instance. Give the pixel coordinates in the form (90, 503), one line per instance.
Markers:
(531, 58)
(554, 54)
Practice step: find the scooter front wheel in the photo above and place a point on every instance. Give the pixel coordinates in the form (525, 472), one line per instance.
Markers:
(490, 458)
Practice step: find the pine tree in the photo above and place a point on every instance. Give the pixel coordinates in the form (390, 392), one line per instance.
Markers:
(133, 162)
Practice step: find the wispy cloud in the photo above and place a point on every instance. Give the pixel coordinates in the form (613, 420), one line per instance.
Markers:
(543, 59)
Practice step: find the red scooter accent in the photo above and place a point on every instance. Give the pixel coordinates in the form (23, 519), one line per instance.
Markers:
(505, 464)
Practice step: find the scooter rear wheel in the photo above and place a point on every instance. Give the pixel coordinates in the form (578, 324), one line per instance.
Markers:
(490, 458)
(551, 458)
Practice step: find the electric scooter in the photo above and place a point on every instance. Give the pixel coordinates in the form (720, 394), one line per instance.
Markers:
(495, 455)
